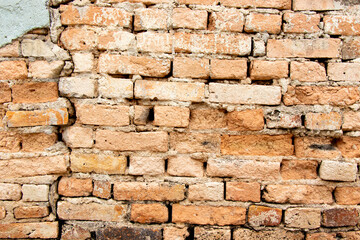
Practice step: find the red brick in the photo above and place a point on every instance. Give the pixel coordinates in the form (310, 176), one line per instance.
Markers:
(351, 121)
(347, 195)
(257, 22)
(344, 71)
(207, 118)
(151, 19)
(45, 230)
(280, 145)
(78, 39)
(75, 187)
(35, 92)
(297, 169)
(323, 121)
(268, 70)
(5, 93)
(349, 146)
(13, 70)
(208, 215)
(264, 216)
(307, 71)
(154, 42)
(121, 141)
(340, 217)
(243, 191)
(301, 23)
(102, 189)
(175, 91)
(37, 117)
(247, 120)
(311, 95)
(319, 5)
(31, 212)
(145, 66)
(341, 25)
(37, 142)
(27, 167)
(116, 40)
(243, 169)
(228, 69)
(232, 44)
(231, 20)
(279, 4)
(185, 166)
(191, 19)
(306, 48)
(191, 68)
(315, 147)
(97, 16)
(308, 218)
(298, 194)
(91, 211)
(194, 142)
(142, 191)
(171, 116)
(103, 115)
(351, 48)
(149, 213)
(10, 50)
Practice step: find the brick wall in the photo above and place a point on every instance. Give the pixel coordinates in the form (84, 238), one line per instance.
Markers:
(183, 119)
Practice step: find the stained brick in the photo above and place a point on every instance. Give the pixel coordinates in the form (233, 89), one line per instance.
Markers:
(315, 147)
(37, 117)
(268, 70)
(154, 42)
(228, 69)
(103, 114)
(351, 48)
(301, 23)
(243, 191)
(102, 189)
(45, 230)
(191, 19)
(128, 232)
(264, 216)
(231, 20)
(279, 4)
(35, 92)
(323, 121)
(31, 212)
(13, 70)
(243, 233)
(194, 142)
(149, 213)
(341, 25)
(150, 19)
(257, 22)
(340, 217)
(308, 218)
(191, 68)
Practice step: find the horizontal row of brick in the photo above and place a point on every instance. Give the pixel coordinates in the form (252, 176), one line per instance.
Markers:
(226, 20)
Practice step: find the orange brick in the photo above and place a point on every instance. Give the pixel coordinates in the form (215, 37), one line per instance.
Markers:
(280, 145)
(10, 50)
(194, 142)
(78, 39)
(121, 141)
(147, 2)
(351, 48)
(102, 189)
(307, 48)
(154, 42)
(347, 195)
(171, 116)
(191, 68)
(232, 44)
(173, 233)
(257, 22)
(243, 191)
(119, 64)
(342, 25)
(349, 146)
(243, 169)
(311, 95)
(279, 4)
(264, 216)
(231, 20)
(175, 91)
(268, 70)
(10, 142)
(301, 23)
(315, 147)
(247, 120)
(297, 169)
(151, 19)
(103, 114)
(191, 19)
(75, 187)
(37, 117)
(13, 70)
(208, 215)
(244, 233)
(319, 5)
(71, 232)
(185, 166)
(298, 194)
(97, 16)
(37, 142)
(5, 93)
(35, 92)
(307, 71)
(343, 71)
(228, 69)
(29, 230)
(201, 2)
(209, 191)
(204, 118)
(116, 40)
(142, 191)
(149, 213)
(351, 121)
(31, 212)
(323, 121)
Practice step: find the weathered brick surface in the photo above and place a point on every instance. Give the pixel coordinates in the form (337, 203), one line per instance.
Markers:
(212, 233)
(211, 191)
(75, 187)
(78, 39)
(13, 70)
(29, 230)
(173, 233)
(323, 121)
(35, 92)
(115, 40)
(341, 25)
(5, 93)
(301, 23)
(315, 147)
(102, 189)
(351, 48)
(351, 121)
(344, 71)
(103, 114)
(248, 120)
(31, 212)
(338, 171)
(116, 88)
(75, 232)
(171, 116)
(204, 215)
(204, 118)
(298, 169)
(191, 68)
(76, 137)
(242, 191)
(269, 23)
(185, 166)
(264, 216)
(308, 218)
(195, 142)
(339, 217)
(35, 193)
(307, 72)
(2, 212)
(10, 191)
(10, 50)
(153, 42)
(37, 117)
(45, 69)
(149, 213)
(279, 4)
(349, 146)
(228, 20)
(243, 233)
(191, 19)
(267, 70)
(150, 19)
(146, 165)
(228, 69)
(128, 232)
(347, 195)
